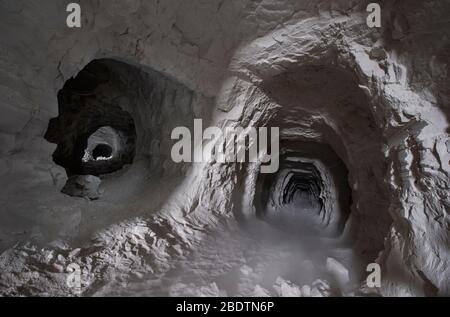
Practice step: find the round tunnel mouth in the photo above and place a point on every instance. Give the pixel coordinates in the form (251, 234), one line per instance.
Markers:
(94, 135)
(115, 118)
(309, 195)
(104, 152)
(323, 103)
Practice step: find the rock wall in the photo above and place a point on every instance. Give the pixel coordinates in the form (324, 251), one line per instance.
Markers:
(378, 98)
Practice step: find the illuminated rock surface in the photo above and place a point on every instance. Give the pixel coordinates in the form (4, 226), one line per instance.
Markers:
(363, 116)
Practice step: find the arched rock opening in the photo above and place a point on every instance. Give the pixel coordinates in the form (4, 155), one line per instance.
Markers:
(88, 112)
(309, 195)
(325, 105)
(112, 106)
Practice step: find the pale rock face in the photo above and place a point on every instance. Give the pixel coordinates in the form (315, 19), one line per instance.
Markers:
(365, 151)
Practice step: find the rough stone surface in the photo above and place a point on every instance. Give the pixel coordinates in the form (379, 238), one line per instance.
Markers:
(379, 98)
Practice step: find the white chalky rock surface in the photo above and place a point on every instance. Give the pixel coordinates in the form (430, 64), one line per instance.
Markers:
(378, 98)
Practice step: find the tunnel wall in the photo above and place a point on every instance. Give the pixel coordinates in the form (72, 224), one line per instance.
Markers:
(407, 97)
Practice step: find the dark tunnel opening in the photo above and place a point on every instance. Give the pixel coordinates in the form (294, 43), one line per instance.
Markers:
(84, 113)
(309, 195)
(113, 121)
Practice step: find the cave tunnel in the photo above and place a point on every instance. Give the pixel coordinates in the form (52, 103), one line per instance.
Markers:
(90, 186)
(87, 116)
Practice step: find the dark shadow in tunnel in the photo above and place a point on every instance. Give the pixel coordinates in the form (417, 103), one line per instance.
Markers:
(102, 151)
(84, 107)
(325, 103)
(140, 107)
(300, 194)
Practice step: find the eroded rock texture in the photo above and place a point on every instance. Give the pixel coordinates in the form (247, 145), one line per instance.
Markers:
(364, 163)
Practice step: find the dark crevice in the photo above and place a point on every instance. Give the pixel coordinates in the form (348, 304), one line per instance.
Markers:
(102, 151)
(309, 194)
